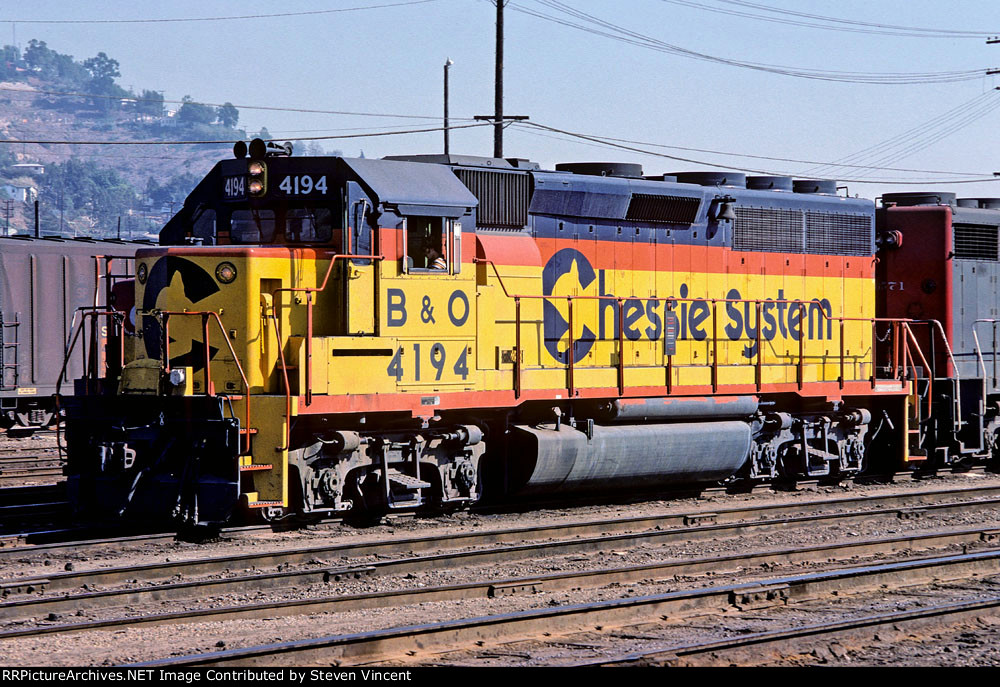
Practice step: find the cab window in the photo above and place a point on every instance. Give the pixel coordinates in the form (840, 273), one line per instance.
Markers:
(426, 244)
(308, 225)
(203, 225)
(252, 226)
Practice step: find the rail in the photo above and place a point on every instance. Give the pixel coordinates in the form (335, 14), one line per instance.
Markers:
(979, 351)
(982, 362)
(902, 358)
(90, 371)
(90, 364)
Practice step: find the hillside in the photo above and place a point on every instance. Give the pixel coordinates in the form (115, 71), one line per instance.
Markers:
(83, 190)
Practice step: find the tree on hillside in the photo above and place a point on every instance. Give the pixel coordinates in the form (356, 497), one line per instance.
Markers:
(70, 72)
(228, 115)
(100, 193)
(195, 113)
(103, 72)
(150, 103)
(174, 190)
(39, 58)
(102, 68)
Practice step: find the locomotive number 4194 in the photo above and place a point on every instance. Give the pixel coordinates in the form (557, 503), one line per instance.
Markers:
(301, 185)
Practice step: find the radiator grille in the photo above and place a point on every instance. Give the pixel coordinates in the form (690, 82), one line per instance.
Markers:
(768, 229)
(647, 207)
(502, 196)
(832, 233)
(777, 230)
(975, 242)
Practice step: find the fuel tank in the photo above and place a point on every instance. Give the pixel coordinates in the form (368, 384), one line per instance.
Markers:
(544, 459)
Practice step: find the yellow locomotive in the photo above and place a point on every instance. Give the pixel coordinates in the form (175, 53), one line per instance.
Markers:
(317, 335)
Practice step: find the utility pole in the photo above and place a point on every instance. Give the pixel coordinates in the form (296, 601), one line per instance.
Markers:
(447, 64)
(498, 86)
(498, 118)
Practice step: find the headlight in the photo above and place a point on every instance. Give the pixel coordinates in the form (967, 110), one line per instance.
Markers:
(226, 272)
(141, 273)
(177, 377)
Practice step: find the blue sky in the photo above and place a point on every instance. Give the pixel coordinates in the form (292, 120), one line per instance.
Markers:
(389, 60)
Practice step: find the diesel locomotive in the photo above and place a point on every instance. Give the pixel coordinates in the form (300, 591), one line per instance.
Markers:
(317, 335)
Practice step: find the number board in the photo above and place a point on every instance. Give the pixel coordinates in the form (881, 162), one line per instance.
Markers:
(234, 188)
(303, 185)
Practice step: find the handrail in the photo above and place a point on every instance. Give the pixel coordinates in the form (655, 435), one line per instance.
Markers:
(979, 350)
(288, 390)
(930, 378)
(209, 389)
(982, 363)
(758, 303)
(87, 311)
(76, 328)
(309, 291)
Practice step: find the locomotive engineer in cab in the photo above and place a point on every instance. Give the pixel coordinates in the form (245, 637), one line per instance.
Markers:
(435, 261)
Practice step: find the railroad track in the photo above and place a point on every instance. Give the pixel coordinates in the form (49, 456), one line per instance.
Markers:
(25, 477)
(29, 464)
(51, 531)
(766, 646)
(604, 536)
(13, 517)
(852, 509)
(419, 643)
(715, 565)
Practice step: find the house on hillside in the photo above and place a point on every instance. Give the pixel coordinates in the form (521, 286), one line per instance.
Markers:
(23, 194)
(30, 168)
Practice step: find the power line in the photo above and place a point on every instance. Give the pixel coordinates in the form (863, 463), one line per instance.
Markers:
(919, 138)
(832, 23)
(203, 19)
(224, 141)
(595, 26)
(271, 108)
(779, 159)
(613, 144)
(950, 33)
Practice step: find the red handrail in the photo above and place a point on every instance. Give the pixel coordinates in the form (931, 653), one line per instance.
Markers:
(209, 390)
(800, 304)
(310, 290)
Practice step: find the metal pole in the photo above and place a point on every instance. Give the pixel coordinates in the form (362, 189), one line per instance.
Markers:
(447, 64)
(498, 97)
(36, 218)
